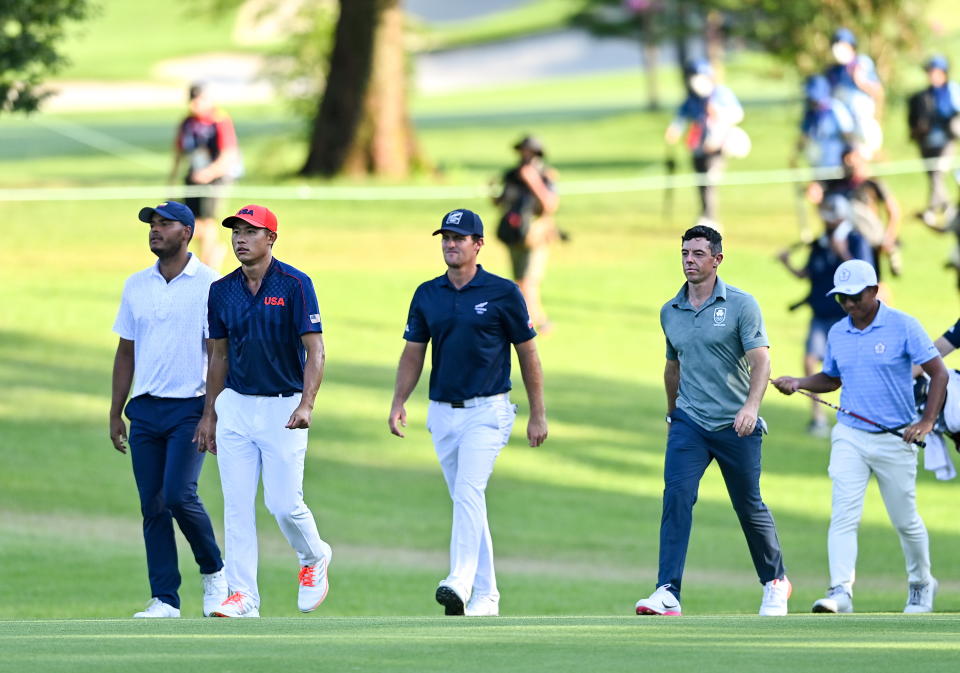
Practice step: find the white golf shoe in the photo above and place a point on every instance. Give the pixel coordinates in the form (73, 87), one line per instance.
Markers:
(157, 609)
(214, 591)
(836, 601)
(482, 606)
(660, 602)
(920, 596)
(775, 595)
(314, 582)
(237, 605)
(451, 598)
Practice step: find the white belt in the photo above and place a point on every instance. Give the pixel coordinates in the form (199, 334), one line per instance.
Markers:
(475, 401)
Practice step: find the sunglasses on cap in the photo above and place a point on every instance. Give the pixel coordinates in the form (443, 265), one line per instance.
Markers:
(853, 298)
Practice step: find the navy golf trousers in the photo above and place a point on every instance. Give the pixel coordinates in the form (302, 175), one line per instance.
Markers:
(690, 449)
(166, 466)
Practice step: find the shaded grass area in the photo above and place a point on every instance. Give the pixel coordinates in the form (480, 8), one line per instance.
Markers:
(557, 644)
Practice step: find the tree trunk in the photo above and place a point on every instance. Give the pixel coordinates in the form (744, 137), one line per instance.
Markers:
(651, 55)
(715, 39)
(362, 125)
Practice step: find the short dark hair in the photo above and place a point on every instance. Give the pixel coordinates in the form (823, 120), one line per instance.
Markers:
(702, 231)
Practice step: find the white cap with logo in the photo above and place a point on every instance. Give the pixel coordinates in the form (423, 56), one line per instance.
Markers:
(853, 276)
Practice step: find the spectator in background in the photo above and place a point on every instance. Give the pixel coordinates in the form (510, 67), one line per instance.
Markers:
(932, 116)
(874, 212)
(839, 242)
(527, 203)
(711, 111)
(208, 142)
(826, 130)
(854, 82)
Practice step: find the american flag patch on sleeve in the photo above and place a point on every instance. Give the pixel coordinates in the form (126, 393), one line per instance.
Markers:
(314, 318)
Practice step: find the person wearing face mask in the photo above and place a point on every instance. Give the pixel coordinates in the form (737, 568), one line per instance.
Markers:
(839, 242)
(933, 120)
(710, 115)
(854, 82)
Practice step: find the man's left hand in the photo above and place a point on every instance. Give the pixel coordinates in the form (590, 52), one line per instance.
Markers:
(917, 431)
(299, 419)
(537, 430)
(746, 421)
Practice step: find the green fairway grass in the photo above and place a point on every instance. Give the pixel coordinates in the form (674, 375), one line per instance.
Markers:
(575, 522)
(707, 644)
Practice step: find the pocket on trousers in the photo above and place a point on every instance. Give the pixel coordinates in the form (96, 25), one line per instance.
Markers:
(505, 414)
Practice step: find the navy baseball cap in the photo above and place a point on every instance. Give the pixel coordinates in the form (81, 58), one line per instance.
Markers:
(844, 35)
(169, 210)
(461, 221)
(937, 62)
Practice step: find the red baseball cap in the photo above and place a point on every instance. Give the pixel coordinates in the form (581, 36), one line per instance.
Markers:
(258, 216)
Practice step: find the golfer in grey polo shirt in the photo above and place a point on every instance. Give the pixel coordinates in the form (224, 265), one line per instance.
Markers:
(716, 373)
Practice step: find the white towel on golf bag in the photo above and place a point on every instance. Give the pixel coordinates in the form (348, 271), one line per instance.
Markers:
(936, 458)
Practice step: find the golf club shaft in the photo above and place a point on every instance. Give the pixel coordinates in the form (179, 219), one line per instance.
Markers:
(884, 428)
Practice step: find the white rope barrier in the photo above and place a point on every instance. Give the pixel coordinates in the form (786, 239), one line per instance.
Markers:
(598, 186)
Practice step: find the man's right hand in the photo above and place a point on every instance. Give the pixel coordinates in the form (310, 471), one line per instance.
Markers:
(398, 419)
(205, 436)
(787, 385)
(118, 434)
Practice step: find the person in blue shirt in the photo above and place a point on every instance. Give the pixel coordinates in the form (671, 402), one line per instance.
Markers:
(839, 242)
(472, 317)
(827, 128)
(708, 113)
(932, 118)
(266, 365)
(854, 82)
(871, 354)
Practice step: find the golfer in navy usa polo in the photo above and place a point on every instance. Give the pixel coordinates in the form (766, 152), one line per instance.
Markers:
(162, 324)
(266, 366)
(716, 373)
(472, 317)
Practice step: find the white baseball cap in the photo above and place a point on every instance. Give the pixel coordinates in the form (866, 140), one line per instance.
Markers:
(853, 276)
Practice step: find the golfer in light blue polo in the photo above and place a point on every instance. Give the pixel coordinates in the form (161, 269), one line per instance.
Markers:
(715, 376)
(871, 354)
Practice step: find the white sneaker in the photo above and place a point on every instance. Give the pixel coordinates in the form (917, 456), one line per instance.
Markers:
(482, 606)
(661, 602)
(775, 595)
(214, 591)
(837, 600)
(237, 605)
(920, 596)
(314, 582)
(156, 608)
(451, 598)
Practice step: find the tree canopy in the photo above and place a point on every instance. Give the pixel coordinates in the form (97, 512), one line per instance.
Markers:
(30, 33)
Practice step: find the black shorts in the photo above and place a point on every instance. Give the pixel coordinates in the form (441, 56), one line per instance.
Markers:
(205, 207)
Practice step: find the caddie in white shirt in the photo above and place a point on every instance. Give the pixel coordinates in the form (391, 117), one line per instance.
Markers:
(162, 324)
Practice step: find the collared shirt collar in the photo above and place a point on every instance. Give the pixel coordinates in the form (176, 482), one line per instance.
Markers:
(879, 320)
(479, 279)
(682, 301)
(189, 270)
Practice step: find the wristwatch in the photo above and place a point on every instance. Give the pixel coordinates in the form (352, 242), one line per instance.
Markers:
(668, 419)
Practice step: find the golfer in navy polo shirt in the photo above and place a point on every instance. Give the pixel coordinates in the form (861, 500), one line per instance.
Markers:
(472, 317)
(266, 366)
(162, 324)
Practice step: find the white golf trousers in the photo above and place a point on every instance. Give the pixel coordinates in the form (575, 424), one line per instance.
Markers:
(468, 442)
(251, 438)
(854, 456)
